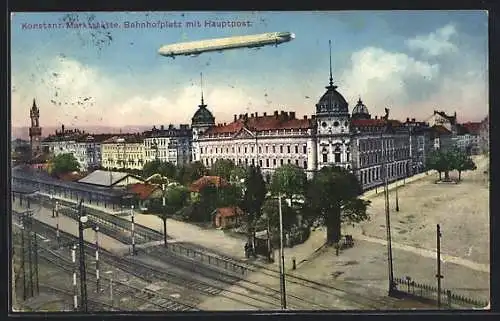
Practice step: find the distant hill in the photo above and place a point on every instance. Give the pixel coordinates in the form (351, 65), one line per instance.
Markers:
(23, 132)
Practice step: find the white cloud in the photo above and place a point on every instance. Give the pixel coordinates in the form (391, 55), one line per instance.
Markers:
(435, 43)
(64, 85)
(380, 76)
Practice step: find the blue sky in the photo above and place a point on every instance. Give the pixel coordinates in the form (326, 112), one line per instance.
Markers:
(411, 62)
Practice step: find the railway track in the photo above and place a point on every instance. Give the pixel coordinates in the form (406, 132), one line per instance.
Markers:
(93, 305)
(343, 290)
(230, 278)
(225, 279)
(123, 289)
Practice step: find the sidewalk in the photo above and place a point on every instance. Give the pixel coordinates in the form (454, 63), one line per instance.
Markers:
(70, 226)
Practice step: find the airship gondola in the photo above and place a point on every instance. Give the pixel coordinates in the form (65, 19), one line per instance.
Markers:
(220, 44)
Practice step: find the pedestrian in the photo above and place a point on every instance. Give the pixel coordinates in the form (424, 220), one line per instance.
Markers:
(246, 251)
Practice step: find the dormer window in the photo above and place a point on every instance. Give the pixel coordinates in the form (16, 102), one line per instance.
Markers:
(336, 124)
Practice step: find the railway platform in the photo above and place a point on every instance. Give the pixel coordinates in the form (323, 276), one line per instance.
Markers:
(70, 226)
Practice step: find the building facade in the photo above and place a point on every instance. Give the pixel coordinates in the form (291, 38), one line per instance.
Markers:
(484, 135)
(330, 137)
(124, 151)
(168, 144)
(85, 147)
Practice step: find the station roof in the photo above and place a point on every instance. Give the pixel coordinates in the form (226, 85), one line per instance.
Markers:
(103, 178)
(25, 172)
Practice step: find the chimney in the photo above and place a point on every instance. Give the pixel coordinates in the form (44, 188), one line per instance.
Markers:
(62, 127)
(170, 126)
(292, 115)
(251, 115)
(265, 114)
(313, 116)
(240, 116)
(235, 117)
(376, 117)
(305, 116)
(224, 124)
(413, 120)
(256, 114)
(283, 113)
(161, 127)
(246, 115)
(275, 113)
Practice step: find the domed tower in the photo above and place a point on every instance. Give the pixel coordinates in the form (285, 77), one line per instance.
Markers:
(332, 119)
(201, 121)
(360, 111)
(35, 130)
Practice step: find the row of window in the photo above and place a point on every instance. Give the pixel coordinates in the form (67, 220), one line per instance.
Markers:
(126, 156)
(374, 174)
(336, 157)
(267, 162)
(251, 149)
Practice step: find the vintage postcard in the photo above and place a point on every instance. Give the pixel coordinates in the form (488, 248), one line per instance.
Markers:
(259, 161)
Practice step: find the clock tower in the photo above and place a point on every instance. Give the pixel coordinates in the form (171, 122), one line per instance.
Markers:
(35, 130)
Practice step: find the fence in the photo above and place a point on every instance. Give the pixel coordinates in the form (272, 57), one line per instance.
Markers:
(425, 291)
(210, 259)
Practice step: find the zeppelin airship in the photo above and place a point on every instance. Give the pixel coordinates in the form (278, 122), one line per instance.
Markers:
(194, 48)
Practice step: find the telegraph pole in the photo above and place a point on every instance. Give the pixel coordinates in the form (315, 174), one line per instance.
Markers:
(165, 220)
(438, 275)
(83, 276)
(387, 220)
(35, 253)
(397, 198)
(282, 259)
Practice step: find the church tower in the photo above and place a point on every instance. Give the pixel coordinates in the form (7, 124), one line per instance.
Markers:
(333, 122)
(35, 130)
(201, 121)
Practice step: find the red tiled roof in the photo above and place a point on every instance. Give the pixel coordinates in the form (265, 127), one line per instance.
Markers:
(204, 181)
(229, 211)
(260, 123)
(374, 122)
(143, 191)
(472, 128)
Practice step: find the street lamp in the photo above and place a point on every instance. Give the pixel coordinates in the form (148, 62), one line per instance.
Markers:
(165, 220)
(53, 206)
(83, 219)
(96, 229)
(133, 229)
(58, 236)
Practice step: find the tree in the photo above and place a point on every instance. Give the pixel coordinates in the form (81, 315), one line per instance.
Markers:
(175, 199)
(463, 162)
(157, 166)
(229, 196)
(441, 161)
(288, 180)
(253, 198)
(64, 163)
(208, 201)
(238, 173)
(271, 209)
(334, 191)
(222, 168)
(193, 171)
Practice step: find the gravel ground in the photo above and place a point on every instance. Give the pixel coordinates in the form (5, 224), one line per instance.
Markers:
(366, 264)
(462, 210)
